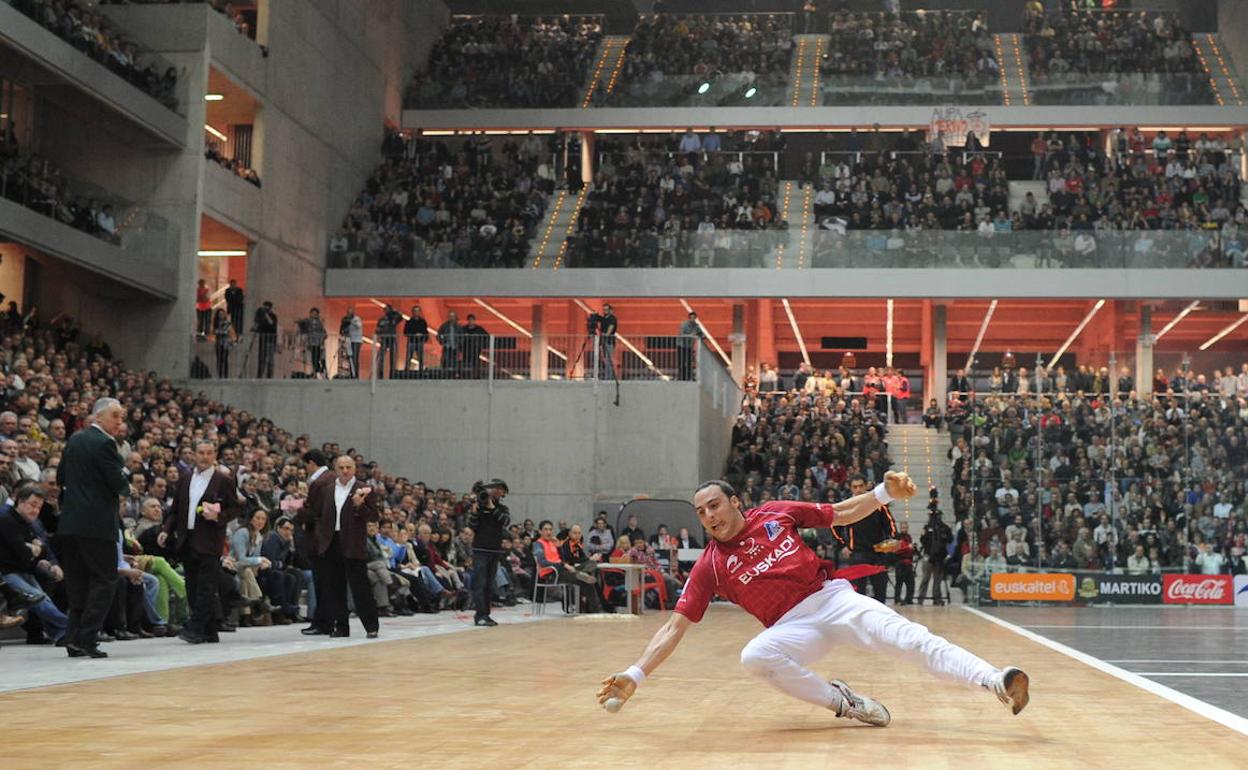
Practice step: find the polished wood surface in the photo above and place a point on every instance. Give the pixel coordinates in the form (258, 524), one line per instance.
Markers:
(522, 696)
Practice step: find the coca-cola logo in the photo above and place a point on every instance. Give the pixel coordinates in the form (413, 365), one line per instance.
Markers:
(1197, 589)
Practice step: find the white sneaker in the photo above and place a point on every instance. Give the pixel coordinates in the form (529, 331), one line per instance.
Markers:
(861, 707)
(1010, 685)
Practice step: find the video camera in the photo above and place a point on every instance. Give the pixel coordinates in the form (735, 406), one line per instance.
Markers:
(592, 324)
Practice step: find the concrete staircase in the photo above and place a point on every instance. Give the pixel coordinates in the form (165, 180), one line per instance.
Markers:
(607, 64)
(804, 89)
(1215, 58)
(920, 452)
(548, 247)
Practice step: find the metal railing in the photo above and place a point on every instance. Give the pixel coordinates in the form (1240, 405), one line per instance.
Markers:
(224, 355)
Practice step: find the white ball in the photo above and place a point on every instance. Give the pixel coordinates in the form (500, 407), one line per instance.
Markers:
(613, 705)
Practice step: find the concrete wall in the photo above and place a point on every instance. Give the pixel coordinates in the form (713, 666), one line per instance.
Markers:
(561, 446)
(333, 77)
(1233, 34)
(718, 403)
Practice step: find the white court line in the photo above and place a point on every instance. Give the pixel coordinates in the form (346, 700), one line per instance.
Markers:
(1149, 628)
(1191, 674)
(1172, 660)
(1195, 705)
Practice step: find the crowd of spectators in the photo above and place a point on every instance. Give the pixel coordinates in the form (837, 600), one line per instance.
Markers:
(466, 202)
(505, 61)
(691, 200)
(670, 57)
(927, 57)
(1077, 471)
(35, 182)
(1125, 56)
(236, 167)
(50, 375)
(96, 36)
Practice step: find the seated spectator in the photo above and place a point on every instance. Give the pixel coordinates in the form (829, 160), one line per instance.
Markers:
(26, 566)
(282, 583)
(502, 61)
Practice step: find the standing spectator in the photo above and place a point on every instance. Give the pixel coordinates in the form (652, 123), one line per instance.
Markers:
(687, 344)
(91, 480)
(476, 341)
(222, 342)
(205, 501)
(234, 302)
(450, 337)
(264, 326)
(203, 308)
(416, 330)
(904, 571)
(313, 331)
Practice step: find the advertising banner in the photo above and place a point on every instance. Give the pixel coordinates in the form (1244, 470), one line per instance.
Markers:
(1119, 589)
(1029, 587)
(1197, 589)
(1241, 590)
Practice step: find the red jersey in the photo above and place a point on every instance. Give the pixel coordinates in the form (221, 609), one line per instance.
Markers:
(766, 569)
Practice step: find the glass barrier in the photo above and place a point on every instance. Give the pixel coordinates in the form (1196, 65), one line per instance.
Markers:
(1121, 88)
(853, 89)
(727, 89)
(93, 210)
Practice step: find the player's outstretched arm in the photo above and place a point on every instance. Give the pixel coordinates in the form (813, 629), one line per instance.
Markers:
(621, 686)
(897, 485)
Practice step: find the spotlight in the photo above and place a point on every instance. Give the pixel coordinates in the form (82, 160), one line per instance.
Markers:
(704, 88)
(750, 93)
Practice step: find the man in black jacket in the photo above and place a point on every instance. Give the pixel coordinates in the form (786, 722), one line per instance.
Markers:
(476, 342)
(234, 302)
(862, 536)
(450, 337)
(960, 386)
(934, 542)
(23, 559)
(416, 330)
(489, 521)
(264, 326)
(91, 480)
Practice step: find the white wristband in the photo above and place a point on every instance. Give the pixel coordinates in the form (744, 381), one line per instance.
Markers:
(636, 674)
(882, 494)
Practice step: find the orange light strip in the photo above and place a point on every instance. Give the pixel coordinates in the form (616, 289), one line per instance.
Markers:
(1217, 92)
(797, 72)
(814, 73)
(1022, 71)
(619, 65)
(807, 195)
(593, 81)
(1005, 80)
(788, 191)
(1226, 71)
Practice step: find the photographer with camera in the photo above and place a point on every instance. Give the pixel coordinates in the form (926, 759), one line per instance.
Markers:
(489, 519)
(935, 542)
(387, 340)
(607, 324)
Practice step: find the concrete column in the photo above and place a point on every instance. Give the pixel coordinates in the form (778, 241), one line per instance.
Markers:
(1144, 352)
(587, 156)
(765, 350)
(537, 354)
(738, 339)
(939, 356)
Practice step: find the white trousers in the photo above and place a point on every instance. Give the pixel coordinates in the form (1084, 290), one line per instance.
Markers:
(837, 614)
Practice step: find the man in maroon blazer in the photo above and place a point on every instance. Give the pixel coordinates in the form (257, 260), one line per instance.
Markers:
(342, 515)
(194, 528)
(320, 479)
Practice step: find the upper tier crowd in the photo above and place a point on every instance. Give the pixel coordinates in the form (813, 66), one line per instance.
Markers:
(1127, 56)
(502, 61)
(97, 37)
(931, 56)
(687, 200)
(470, 202)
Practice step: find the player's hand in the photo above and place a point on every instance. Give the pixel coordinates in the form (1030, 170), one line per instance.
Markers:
(619, 685)
(899, 485)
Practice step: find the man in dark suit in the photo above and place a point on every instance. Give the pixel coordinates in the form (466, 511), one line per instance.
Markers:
(91, 480)
(342, 515)
(194, 528)
(320, 479)
(234, 301)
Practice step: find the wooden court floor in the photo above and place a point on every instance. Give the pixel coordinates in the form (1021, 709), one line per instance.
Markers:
(521, 696)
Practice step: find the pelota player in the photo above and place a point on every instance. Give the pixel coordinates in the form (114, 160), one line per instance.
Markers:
(758, 561)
